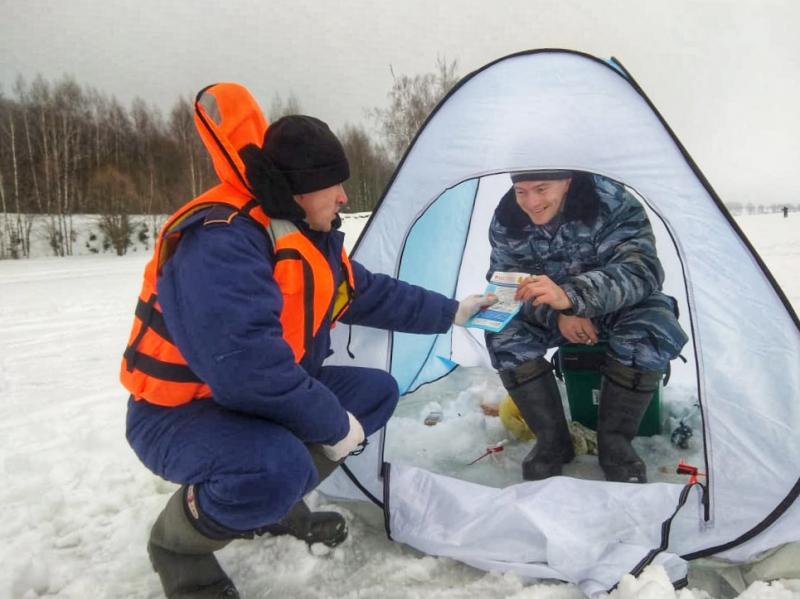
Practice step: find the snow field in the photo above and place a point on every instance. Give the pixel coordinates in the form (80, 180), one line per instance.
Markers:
(76, 505)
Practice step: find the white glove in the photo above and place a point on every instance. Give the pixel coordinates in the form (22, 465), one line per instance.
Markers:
(469, 306)
(351, 441)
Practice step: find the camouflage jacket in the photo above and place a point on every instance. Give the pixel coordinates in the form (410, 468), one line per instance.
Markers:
(600, 249)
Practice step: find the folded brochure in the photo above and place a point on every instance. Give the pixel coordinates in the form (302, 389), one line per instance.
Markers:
(494, 318)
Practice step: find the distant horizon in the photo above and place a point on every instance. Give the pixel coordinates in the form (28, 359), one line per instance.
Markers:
(88, 238)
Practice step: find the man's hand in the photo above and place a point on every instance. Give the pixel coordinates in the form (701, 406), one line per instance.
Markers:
(542, 290)
(351, 441)
(469, 306)
(576, 329)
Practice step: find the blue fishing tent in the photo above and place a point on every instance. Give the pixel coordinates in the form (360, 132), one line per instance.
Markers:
(556, 109)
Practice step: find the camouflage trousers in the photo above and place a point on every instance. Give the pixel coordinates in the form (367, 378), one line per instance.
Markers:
(645, 336)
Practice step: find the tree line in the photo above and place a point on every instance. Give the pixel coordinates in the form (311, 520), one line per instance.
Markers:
(68, 149)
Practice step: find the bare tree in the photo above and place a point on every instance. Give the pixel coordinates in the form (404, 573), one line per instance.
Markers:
(370, 169)
(35, 205)
(14, 228)
(115, 191)
(6, 234)
(146, 133)
(189, 145)
(278, 107)
(182, 127)
(411, 100)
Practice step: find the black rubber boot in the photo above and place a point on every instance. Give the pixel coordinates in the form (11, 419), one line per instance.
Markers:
(625, 394)
(534, 390)
(329, 528)
(183, 556)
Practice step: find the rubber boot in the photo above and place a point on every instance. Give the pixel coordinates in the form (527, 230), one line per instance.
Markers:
(533, 388)
(183, 556)
(625, 394)
(328, 528)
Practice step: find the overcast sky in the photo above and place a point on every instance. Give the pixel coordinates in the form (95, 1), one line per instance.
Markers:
(724, 74)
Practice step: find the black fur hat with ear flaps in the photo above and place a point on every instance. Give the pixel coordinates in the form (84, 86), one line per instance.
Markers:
(300, 154)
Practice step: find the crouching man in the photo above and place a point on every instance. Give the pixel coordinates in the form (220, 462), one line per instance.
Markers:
(595, 274)
(229, 397)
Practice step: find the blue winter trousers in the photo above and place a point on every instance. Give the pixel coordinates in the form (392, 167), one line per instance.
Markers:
(247, 471)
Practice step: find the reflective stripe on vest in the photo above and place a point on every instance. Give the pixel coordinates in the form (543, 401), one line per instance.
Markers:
(152, 318)
(306, 280)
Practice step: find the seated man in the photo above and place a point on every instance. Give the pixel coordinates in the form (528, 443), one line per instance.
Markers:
(594, 273)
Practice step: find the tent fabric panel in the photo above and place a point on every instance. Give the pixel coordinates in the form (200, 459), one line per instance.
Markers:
(435, 363)
(469, 348)
(782, 533)
(585, 532)
(366, 467)
(431, 254)
(431, 258)
(779, 529)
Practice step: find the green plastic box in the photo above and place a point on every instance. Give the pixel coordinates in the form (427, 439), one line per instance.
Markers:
(581, 366)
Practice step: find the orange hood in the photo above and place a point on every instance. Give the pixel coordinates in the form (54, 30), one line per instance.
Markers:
(228, 118)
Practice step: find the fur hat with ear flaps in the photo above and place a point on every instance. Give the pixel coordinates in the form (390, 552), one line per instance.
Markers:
(300, 154)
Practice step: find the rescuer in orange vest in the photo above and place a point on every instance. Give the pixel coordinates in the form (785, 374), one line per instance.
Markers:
(224, 364)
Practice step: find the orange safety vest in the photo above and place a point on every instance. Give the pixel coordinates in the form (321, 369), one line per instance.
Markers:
(153, 368)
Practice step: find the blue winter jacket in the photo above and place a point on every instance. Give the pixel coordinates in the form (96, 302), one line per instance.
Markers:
(222, 307)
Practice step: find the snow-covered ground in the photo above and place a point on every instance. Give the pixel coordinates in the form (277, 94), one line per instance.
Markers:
(464, 433)
(76, 505)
